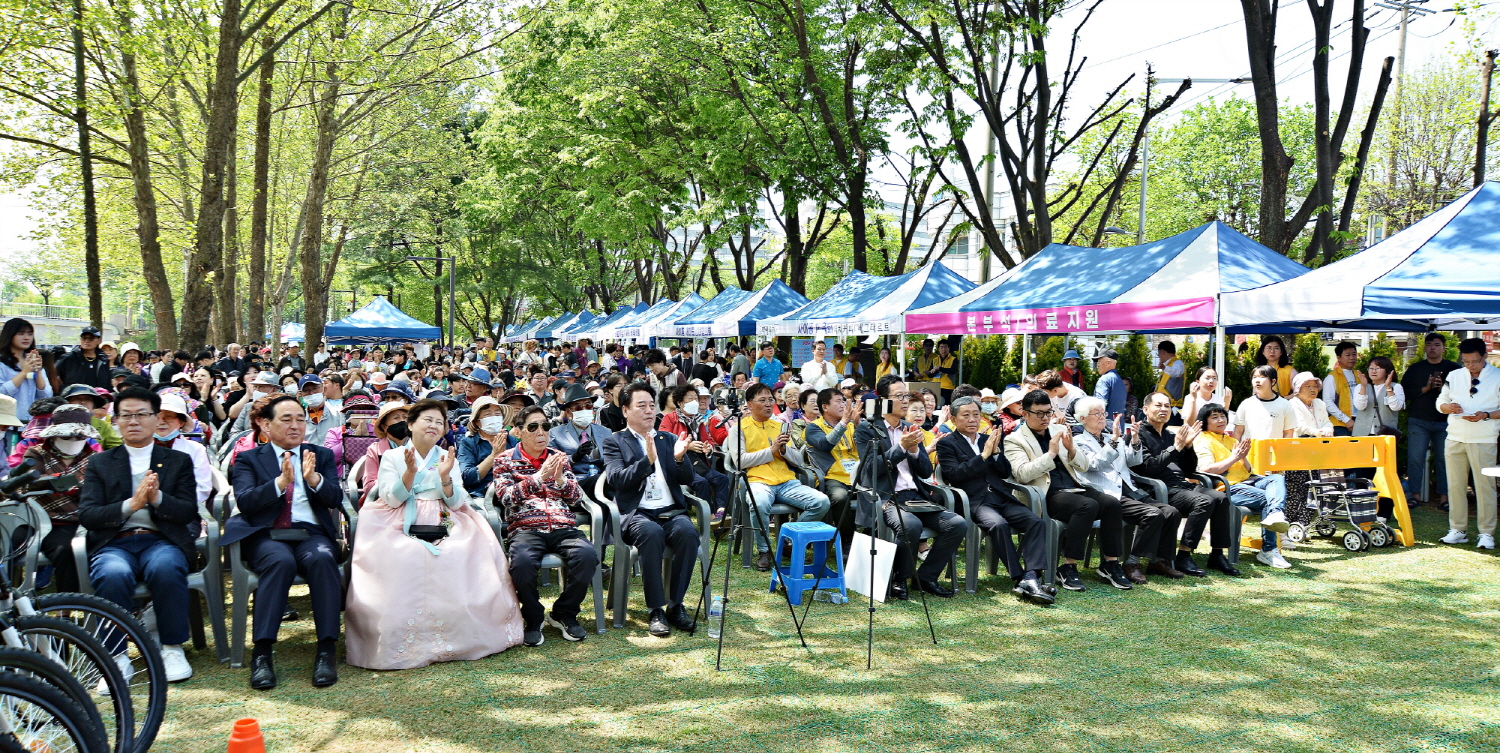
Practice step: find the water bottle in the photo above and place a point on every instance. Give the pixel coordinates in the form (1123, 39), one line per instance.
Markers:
(832, 597)
(716, 617)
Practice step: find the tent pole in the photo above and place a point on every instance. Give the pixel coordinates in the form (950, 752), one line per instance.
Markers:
(901, 352)
(1219, 355)
(1025, 357)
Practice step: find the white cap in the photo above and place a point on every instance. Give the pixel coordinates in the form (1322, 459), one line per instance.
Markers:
(175, 404)
(848, 382)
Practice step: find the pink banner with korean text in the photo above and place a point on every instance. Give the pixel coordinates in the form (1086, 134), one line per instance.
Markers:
(1101, 317)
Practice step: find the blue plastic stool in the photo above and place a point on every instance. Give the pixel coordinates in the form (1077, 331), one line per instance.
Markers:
(798, 576)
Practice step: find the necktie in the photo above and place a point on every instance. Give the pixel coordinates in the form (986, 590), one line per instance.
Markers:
(284, 519)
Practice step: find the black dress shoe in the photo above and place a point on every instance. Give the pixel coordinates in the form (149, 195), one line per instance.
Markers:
(898, 592)
(679, 618)
(1187, 566)
(1031, 588)
(936, 589)
(658, 623)
(262, 673)
(1221, 563)
(325, 669)
(291, 615)
(763, 562)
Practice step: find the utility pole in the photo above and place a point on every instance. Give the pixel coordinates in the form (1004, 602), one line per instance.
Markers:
(1408, 8)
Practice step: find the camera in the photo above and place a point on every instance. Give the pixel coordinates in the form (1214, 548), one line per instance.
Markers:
(728, 397)
(875, 408)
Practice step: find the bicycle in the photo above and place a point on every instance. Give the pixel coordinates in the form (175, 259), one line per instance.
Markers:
(43, 708)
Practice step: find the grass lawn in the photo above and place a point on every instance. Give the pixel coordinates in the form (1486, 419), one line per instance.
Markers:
(1387, 650)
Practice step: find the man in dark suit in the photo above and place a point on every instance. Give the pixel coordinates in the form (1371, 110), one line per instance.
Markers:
(139, 503)
(286, 492)
(643, 467)
(894, 458)
(976, 464)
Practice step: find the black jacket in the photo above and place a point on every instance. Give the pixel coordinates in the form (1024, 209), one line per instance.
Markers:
(254, 476)
(1163, 461)
(298, 363)
(107, 483)
(878, 460)
(626, 468)
(980, 479)
(74, 368)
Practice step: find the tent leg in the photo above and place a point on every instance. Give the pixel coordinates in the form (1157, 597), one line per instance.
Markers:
(901, 352)
(1025, 356)
(1219, 355)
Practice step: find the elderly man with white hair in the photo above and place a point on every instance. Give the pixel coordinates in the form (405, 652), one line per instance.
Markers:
(1107, 458)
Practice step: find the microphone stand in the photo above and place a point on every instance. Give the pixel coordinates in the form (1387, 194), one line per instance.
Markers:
(901, 533)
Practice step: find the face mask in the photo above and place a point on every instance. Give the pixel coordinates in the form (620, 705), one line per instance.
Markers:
(397, 431)
(987, 408)
(290, 389)
(69, 447)
(600, 403)
(492, 424)
(314, 400)
(175, 433)
(690, 407)
(582, 418)
(356, 385)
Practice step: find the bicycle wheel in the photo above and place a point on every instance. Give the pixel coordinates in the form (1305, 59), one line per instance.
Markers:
(79, 652)
(106, 620)
(30, 663)
(35, 716)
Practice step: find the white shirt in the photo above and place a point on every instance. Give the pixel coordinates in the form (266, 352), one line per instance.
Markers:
(203, 477)
(1395, 401)
(1486, 397)
(302, 511)
(1265, 419)
(656, 495)
(903, 468)
(1331, 395)
(1060, 404)
(820, 375)
(140, 462)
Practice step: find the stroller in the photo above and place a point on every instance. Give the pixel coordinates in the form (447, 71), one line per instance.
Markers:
(1356, 502)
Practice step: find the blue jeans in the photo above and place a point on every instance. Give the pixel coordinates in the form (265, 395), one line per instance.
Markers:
(1422, 438)
(812, 503)
(1264, 496)
(119, 565)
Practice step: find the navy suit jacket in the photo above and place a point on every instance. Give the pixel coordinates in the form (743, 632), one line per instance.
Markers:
(107, 483)
(626, 468)
(258, 504)
(980, 479)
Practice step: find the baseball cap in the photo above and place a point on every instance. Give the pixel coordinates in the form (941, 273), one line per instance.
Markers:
(308, 379)
(1109, 353)
(90, 330)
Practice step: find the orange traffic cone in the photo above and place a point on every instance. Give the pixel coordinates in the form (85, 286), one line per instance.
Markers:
(246, 737)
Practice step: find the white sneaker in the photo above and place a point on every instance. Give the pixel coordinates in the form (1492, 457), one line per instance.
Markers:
(1273, 558)
(1276, 521)
(176, 662)
(1486, 541)
(1455, 536)
(122, 661)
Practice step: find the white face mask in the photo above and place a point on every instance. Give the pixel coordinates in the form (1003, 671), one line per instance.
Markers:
(356, 384)
(988, 408)
(600, 402)
(290, 389)
(690, 407)
(314, 400)
(492, 424)
(582, 418)
(69, 447)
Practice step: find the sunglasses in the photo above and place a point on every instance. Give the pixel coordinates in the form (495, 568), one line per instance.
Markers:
(534, 426)
(1474, 387)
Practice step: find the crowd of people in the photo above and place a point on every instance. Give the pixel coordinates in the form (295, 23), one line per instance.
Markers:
(421, 437)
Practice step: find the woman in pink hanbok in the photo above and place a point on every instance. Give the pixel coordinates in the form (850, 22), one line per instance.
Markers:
(430, 581)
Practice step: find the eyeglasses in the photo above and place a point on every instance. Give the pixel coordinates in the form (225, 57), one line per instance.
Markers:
(130, 418)
(901, 396)
(1041, 413)
(765, 400)
(535, 426)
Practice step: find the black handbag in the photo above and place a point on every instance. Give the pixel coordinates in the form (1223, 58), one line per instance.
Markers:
(429, 534)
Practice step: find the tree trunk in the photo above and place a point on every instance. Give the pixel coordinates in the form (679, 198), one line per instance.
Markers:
(208, 236)
(86, 170)
(228, 304)
(1482, 135)
(258, 211)
(148, 228)
(314, 294)
(1275, 164)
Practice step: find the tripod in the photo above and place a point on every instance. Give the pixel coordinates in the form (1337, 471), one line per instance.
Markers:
(739, 481)
(862, 488)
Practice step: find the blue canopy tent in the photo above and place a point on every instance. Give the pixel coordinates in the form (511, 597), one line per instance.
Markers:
(379, 322)
(293, 332)
(646, 325)
(551, 331)
(634, 320)
(509, 333)
(541, 324)
(699, 322)
(1443, 272)
(862, 304)
(587, 329)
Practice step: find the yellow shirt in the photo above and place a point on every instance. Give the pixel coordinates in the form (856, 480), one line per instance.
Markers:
(881, 369)
(1215, 448)
(945, 380)
(842, 451)
(758, 437)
